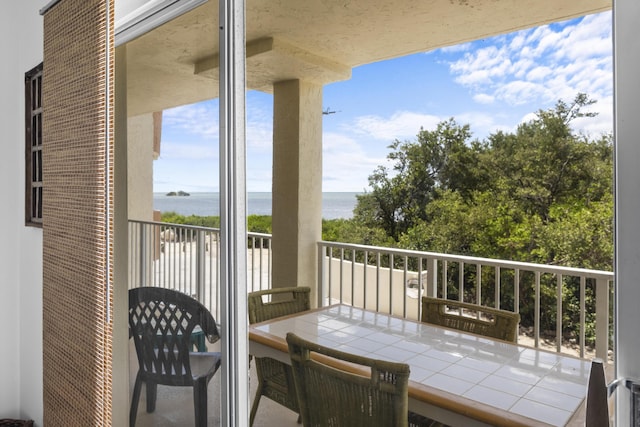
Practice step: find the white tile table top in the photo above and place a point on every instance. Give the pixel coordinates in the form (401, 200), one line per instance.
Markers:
(544, 386)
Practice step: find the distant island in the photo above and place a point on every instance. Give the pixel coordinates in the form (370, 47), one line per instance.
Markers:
(179, 193)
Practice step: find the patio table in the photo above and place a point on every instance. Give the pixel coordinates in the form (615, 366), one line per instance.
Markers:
(456, 378)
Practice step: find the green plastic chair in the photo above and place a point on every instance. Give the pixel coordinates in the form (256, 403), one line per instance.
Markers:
(275, 379)
(161, 322)
(486, 321)
(334, 395)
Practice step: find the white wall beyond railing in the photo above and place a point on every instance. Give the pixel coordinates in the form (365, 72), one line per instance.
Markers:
(185, 258)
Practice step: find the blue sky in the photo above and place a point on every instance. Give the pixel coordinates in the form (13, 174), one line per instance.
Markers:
(491, 84)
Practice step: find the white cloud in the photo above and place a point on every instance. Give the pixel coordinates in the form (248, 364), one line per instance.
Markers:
(259, 135)
(542, 65)
(517, 42)
(520, 92)
(259, 122)
(482, 123)
(189, 151)
(346, 164)
(482, 66)
(196, 119)
(483, 98)
(521, 67)
(462, 47)
(401, 125)
(539, 73)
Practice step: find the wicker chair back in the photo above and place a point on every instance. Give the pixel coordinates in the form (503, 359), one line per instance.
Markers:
(275, 379)
(485, 321)
(362, 392)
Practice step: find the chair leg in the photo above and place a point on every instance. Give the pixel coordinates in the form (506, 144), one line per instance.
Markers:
(200, 401)
(134, 401)
(152, 393)
(256, 401)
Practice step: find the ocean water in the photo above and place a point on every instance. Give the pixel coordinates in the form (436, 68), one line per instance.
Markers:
(334, 204)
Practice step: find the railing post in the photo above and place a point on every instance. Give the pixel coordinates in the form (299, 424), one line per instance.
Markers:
(479, 284)
(516, 290)
(445, 277)
(377, 281)
(143, 263)
(200, 264)
(496, 283)
(583, 288)
(602, 319)
(341, 284)
(461, 282)
(432, 277)
(559, 281)
(321, 274)
(536, 315)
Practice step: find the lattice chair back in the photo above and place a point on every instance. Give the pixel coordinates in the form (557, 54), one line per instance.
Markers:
(161, 322)
(480, 320)
(362, 392)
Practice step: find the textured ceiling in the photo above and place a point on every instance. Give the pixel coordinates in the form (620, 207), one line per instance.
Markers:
(319, 40)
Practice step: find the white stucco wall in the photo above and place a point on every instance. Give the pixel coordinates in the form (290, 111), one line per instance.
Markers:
(21, 249)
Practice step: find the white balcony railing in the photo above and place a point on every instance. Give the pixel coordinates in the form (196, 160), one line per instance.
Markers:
(185, 258)
(391, 281)
(551, 295)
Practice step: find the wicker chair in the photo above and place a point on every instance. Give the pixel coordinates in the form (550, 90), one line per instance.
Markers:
(332, 396)
(161, 322)
(491, 322)
(275, 379)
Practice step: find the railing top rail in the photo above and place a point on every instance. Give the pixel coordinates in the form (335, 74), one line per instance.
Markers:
(527, 266)
(193, 227)
(169, 224)
(262, 235)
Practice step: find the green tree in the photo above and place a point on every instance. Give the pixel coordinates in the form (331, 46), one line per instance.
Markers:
(544, 163)
(443, 159)
(448, 193)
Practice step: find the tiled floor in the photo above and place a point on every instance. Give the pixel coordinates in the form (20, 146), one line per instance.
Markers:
(174, 406)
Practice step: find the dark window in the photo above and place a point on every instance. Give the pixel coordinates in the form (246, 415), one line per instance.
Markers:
(33, 132)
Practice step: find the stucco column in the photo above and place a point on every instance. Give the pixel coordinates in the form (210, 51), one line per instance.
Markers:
(142, 133)
(297, 183)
